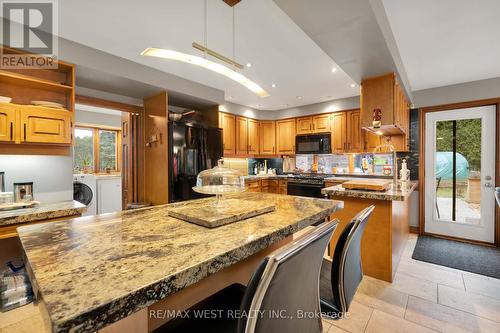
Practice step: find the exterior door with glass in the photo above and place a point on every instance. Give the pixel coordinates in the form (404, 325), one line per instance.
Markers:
(460, 173)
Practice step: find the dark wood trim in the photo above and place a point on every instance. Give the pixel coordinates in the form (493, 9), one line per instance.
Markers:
(445, 107)
(463, 240)
(35, 149)
(414, 230)
(98, 102)
(231, 3)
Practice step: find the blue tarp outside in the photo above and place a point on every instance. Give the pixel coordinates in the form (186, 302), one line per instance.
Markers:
(444, 166)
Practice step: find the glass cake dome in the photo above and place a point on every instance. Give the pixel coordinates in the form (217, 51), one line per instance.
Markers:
(219, 181)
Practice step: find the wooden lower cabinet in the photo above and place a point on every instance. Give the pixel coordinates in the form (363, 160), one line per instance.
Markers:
(384, 238)
(7, 121)
(283, 183)
(278, 186)
(252, 185)
(44, 125)
(285, 136)
(270, 185)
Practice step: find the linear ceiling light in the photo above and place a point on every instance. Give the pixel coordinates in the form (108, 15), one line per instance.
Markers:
(207, 64)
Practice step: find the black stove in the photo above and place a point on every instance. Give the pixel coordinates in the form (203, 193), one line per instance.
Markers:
(306, 185)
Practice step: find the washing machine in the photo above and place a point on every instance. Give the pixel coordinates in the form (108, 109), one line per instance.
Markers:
(85, 191)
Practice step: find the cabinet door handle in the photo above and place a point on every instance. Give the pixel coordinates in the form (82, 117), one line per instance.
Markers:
(11, 131)
(273, 149)
(24, 131)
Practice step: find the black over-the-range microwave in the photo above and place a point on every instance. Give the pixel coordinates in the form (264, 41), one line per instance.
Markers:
(313, 144)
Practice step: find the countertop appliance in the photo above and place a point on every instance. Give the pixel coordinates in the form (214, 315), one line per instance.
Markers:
(85, 191)
(306, 185)
(2, 181)
(313, 144)
(23, 192)
(192, 149)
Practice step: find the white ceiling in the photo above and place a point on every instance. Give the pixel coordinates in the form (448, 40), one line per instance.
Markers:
(447, 41)
(279, 51)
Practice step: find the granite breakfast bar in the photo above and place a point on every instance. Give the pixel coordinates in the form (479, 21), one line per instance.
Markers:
(387, 230)
(110, 269)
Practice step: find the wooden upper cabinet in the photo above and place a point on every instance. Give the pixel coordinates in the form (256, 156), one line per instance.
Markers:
(285, 136)
(304, 125)
(267, 138)
(372, 140)
(385, 93)
(314, 124)
(253, 136)
(354, 133)
(339, 135)
(7, 121)
(45, 125)
(228, 124)
(241, 136)
(321, 123)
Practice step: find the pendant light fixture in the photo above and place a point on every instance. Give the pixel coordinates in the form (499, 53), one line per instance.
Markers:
(209, 64)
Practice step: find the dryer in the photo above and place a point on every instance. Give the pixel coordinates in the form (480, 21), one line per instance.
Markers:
(85, 191)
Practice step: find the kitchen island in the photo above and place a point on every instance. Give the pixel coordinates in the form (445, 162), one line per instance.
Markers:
(94, 271)
(43, 212)
(387, 230)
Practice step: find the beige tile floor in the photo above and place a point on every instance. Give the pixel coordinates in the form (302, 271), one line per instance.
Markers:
(423, 298)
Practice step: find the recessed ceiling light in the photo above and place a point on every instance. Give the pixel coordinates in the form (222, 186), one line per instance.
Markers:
(353, 85)
(299, 97)
(334, 69)
(207, 64)
(273, 85)
(249, 64)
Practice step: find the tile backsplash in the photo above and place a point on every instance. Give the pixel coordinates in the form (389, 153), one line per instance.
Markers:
(272, 163)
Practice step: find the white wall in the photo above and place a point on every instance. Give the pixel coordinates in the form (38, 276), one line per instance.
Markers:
(324, 107)
(464, 92)
(52, 176)
(240, 110)
(97, 118)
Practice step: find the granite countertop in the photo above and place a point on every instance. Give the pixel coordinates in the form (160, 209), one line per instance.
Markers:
(93, 271)
(255, 177)
(348, 178)
(396, 195)
(41, 212)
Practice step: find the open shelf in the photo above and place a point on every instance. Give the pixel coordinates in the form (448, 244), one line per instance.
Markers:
(30, 81)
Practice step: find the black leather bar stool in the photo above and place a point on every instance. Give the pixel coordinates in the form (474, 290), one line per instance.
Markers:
(341, 277)
(284, 286)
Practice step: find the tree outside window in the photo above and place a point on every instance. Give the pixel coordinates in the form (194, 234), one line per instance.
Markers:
(105, 156)
(84, 150)
(107, 150)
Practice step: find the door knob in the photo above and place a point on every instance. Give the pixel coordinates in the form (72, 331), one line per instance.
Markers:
(488, 185)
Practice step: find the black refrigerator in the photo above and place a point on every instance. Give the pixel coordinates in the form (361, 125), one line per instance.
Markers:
(192, 149)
